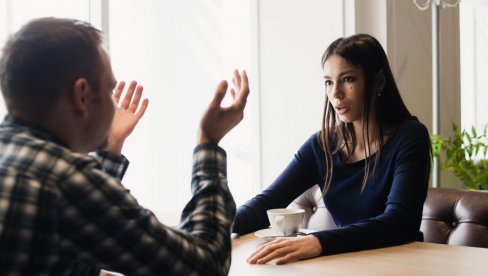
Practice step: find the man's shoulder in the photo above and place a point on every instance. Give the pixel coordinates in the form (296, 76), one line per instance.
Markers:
(27, 154)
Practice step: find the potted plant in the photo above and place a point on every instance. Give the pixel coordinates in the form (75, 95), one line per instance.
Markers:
(465, 154)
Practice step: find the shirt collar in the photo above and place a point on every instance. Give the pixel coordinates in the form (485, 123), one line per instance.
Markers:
(34, 130)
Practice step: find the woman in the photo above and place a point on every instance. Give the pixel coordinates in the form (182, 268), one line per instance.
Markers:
(371, 160)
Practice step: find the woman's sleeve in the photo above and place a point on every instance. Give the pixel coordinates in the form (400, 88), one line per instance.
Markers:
(298, 176)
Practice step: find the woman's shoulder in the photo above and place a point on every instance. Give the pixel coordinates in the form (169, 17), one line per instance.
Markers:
(312, 145)
(412, 125)
(411, 130)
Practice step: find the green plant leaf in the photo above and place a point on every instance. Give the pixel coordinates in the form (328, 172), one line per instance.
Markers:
(464, 153)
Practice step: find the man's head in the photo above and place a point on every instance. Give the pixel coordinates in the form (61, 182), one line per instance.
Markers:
(43, 59)
(54, 68)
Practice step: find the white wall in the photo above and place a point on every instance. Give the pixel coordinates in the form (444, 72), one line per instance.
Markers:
(410, 46)
(370, 17)
(292, 38)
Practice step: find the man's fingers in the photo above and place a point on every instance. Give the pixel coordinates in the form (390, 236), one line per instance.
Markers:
(137, 98)
(128, 95)
(131, 101)
(142, 108)
(219, 94)
(118, 91)
(237, 79)
(244, 89)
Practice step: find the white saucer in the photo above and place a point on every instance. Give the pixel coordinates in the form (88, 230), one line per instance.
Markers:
(267, 234)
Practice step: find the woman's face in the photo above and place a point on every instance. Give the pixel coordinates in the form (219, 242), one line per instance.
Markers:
(345, 87)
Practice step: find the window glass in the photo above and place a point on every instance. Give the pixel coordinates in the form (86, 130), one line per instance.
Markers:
(474, 63)
(179, 51)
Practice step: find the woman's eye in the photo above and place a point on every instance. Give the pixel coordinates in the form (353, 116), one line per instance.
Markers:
(348, 79)
(328, 83)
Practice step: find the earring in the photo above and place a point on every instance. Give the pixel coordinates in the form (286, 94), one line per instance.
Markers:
(379, 93)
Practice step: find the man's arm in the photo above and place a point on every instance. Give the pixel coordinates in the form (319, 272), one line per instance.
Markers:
(128, 113)
(210, 213)
(112, 229)
(127, 116)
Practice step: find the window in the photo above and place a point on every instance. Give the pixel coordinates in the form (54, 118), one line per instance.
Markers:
(179, 51)
(474, 63)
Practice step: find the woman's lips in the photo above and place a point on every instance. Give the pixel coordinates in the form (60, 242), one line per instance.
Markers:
(341, 109)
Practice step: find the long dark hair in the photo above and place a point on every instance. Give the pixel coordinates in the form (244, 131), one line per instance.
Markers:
(366, 53)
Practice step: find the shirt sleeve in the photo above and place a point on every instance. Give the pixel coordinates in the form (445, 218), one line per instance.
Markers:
(115, 165)
(400, 221)
(103, 223)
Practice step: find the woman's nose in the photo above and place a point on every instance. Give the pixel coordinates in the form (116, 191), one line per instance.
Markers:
(336, 91)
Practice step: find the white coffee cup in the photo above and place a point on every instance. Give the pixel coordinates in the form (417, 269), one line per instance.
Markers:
(285, 221)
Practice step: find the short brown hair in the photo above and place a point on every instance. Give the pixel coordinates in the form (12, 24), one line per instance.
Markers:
(44, 58)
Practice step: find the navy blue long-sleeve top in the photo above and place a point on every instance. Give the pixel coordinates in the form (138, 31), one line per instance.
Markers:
(387, 212)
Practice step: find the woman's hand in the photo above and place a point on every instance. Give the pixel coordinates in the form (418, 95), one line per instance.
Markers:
(127, 115)
(287, 250)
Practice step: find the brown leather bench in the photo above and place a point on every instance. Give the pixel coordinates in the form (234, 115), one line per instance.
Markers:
(450, 216)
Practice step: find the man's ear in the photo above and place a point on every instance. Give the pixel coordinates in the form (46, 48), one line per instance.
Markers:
(80, 94)
(379, 81)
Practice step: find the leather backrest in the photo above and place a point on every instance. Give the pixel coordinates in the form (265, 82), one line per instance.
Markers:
(316, 216)
(457, 217)
(450, 216)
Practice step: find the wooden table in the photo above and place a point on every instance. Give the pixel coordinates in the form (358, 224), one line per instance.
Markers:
(417, 258)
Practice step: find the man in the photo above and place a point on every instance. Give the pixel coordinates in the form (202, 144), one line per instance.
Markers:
(62, 211)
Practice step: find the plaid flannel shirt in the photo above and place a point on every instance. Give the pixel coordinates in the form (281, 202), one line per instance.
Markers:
(65, 213)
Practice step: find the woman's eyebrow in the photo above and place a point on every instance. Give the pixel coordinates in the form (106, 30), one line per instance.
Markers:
(341, 74)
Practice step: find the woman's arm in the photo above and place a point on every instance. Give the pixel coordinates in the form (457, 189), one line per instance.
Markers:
(399, 222)
(302, 173)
